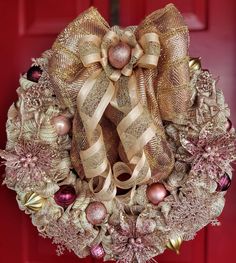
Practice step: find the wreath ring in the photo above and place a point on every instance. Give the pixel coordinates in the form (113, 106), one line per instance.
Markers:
(119, 145)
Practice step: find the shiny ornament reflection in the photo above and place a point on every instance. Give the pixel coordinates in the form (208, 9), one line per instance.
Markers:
(195, 64)
(223, 183)
(62, 125)
(174, 244)
(97, 252)
(119, 55)
(156, 193)
(65, 196)
(33, 201)
(96, 213)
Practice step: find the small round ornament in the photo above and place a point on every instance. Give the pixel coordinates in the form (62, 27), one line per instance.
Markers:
(156, 193)
(33, 201)
(228, 125)
(195, 64)
(96, 213)
(97, 252)
(62, 125)
(223, 183)
(34, 73)
(65, 196)
(119, 55)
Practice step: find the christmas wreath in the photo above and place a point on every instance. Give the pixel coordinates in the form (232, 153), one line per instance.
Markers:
(120, 144)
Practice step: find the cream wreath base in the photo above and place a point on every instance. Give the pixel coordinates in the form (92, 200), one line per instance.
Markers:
(119, 145)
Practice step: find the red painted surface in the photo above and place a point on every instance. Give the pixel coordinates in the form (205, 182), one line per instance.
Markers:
(29, 27)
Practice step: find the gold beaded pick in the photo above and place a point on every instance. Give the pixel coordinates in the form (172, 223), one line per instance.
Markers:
(195, 64)
(33, 201)
(174, 244)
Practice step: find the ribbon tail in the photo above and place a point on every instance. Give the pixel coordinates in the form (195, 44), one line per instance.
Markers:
(93, 156)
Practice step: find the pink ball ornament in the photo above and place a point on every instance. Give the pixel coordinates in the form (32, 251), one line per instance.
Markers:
(65, 196)
(119, 55)
(223, 183)
(34, 73)
(96, 213)
(156, 193)
(97, 252)
(62, 125)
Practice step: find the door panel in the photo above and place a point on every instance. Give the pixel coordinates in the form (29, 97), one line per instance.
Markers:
(29, 27)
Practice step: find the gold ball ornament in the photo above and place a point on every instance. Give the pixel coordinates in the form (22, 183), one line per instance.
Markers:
(174, 244)
(195, 64)
(33, 201)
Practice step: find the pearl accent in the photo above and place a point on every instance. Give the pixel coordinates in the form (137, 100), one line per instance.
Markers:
(62, 125)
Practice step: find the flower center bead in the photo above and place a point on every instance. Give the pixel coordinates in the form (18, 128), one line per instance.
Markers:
(119, 55)
(29, 160)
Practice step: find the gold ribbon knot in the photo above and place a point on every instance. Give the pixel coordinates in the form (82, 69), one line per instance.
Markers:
(118, 113)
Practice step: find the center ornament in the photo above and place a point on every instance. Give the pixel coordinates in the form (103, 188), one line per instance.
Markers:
(119, 55)
(120, 145)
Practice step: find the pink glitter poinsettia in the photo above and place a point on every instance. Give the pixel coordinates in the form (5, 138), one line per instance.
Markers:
(135, 240)
(28, 165)
(212, 153)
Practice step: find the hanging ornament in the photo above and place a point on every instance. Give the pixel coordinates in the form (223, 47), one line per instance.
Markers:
(97, 252)
(34, 73)
(223, 183)
(156, 193)
(65, 196)
(174, 244)
(33, 201)
(96, 213)
(62, 125)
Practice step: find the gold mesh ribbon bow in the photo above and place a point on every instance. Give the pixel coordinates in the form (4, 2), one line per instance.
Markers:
(121, 110)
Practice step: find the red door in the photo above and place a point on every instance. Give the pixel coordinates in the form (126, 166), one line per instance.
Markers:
(28, 27)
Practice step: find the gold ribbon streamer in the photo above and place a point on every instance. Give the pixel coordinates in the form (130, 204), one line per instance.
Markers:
(152, 87)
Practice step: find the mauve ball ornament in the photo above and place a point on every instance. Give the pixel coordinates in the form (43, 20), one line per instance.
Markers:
(62, 125)
(65, 196)
(119, 55)
(223, 183)
(34, 73)
(97, 252)
(228, 125)
(96, 213)
(156, 193)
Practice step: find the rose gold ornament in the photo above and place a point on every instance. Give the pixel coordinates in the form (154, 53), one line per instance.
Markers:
(156, 193)
(97, 252)
(62, 125)
(119, 55)
(96, 213)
